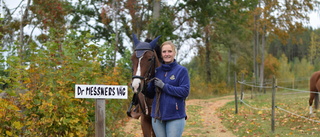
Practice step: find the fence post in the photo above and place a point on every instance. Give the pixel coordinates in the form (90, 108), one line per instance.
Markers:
(273, 103)
(252, 88)
(242, 79)
(293, 83)
(264, 87)
(235, 93)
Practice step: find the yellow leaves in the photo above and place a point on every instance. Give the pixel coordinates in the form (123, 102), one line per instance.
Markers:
(271, 66)
(46, 106)
(50, 94)
(25, 98)
(74, 121)
(71, 135)
(17, 125)
(10, 116)
(60, 82)
(248, 131)
(29, 106)
(9, 133)
(7, 107)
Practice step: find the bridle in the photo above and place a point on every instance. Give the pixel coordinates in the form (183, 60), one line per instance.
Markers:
(146, 78)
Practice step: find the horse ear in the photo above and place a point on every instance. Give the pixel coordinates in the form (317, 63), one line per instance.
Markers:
(153, 43)
(135, 40)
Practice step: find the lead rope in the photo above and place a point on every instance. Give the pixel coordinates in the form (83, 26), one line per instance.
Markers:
(157, 113)
(146, 106)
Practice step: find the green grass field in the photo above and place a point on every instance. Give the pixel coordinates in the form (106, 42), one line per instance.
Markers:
(254, 117)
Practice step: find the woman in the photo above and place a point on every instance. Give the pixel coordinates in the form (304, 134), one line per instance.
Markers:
(172, 84)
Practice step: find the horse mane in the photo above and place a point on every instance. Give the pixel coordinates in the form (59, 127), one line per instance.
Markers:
(157, 49)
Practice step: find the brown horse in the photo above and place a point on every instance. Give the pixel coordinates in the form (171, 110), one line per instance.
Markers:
(144, 61)
(314, 89)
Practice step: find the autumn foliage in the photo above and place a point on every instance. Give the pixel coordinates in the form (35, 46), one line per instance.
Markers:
(41, 101)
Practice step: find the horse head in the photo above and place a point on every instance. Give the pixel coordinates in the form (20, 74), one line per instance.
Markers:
(144, 61)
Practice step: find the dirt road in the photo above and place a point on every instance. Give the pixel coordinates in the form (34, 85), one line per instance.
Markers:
(203, 122)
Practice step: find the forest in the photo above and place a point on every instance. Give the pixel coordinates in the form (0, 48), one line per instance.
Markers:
(49, 46)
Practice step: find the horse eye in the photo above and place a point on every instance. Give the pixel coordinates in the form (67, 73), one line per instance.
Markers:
(149, 59)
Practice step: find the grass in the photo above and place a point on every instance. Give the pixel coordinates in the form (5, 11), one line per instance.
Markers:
(255, 119)
(193, 124)
(195, 121)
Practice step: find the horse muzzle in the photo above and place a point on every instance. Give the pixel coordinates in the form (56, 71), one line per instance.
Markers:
(137, 85)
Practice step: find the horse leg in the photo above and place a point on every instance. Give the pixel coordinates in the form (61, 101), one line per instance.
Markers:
(312, 95)
(146, 126)
(313, 90)
(316, 100)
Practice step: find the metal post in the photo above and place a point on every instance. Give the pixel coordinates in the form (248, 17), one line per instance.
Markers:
(252, 88)
(293, 83)
(100, 115)
(273, 103)
(242, 79)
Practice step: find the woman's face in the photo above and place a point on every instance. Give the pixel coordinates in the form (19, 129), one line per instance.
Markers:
(167, 53)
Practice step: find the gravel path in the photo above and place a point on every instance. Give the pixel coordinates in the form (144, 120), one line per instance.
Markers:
(211, 124)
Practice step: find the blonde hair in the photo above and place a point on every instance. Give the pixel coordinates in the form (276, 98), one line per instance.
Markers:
(169, 43)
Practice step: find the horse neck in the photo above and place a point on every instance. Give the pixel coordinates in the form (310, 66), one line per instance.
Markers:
(156, 60)
(157, 64)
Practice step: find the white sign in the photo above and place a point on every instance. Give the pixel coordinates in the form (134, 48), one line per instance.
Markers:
(101, 91)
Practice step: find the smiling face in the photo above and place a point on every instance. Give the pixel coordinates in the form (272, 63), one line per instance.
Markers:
(168, 52)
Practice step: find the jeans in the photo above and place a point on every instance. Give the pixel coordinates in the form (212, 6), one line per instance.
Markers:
(171, 128)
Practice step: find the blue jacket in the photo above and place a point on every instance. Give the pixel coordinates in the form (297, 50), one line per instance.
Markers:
(174, 92)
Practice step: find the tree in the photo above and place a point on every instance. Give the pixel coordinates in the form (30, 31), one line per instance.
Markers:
(279, 19)
(284, 72)
(204, 14)
(221, 25)
(314, 48)
(271, 67)
(234, 33)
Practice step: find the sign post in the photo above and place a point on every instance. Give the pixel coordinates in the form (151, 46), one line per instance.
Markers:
(100, 113)
(100, 93)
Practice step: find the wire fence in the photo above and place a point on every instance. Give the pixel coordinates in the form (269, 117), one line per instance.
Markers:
(285, 91)
(254, 107)
(317, 121)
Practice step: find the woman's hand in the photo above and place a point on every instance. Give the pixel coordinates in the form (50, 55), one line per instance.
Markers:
(158, 82)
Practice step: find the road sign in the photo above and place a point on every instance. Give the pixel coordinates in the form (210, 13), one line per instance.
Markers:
(101, 91)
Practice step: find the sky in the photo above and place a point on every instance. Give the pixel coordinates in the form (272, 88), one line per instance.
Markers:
(314, 20)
